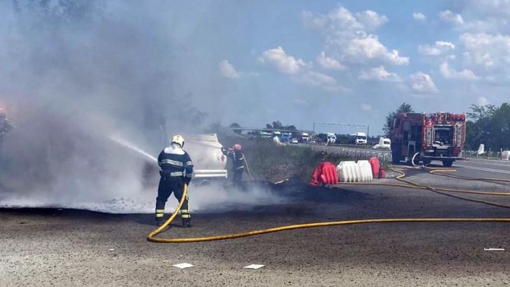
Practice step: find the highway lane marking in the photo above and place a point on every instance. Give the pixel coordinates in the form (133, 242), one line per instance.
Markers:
(483, 163)
(486, 169)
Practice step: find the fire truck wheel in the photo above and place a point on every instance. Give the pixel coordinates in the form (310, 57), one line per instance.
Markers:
(447, 163)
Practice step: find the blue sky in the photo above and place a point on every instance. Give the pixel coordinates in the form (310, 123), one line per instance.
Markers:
(299, 62)
(347, 62)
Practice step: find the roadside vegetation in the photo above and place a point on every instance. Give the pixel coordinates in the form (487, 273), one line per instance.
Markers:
(266, 161)
(488, 125)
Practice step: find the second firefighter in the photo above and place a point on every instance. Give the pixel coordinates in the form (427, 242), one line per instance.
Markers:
(237, 158)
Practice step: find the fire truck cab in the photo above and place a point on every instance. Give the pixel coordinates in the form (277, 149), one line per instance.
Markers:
(420, 137)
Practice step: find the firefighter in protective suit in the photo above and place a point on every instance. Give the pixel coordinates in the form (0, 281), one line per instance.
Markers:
(176, 170)
(237, 163)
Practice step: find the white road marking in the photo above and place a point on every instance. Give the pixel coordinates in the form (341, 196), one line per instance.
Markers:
(183, 265)
(254, 266)
(492, 162)
(486, 169)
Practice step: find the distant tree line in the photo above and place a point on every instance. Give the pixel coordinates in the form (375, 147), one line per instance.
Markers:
(488, 125)
(279, 126)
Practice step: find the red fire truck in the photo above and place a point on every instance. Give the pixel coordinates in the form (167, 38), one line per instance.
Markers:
(419, 137)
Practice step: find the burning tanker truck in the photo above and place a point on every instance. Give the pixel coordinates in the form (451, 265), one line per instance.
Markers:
(419, 137)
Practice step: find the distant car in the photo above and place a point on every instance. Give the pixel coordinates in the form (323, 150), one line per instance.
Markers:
(294, 141)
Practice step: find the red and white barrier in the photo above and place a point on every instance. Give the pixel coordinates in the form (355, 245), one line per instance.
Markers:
(350, 171)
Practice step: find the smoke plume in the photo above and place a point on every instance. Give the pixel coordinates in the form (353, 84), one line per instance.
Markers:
(76, 74)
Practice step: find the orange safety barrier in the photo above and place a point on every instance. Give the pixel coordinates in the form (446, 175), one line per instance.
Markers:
(325, 173)
(374, 162)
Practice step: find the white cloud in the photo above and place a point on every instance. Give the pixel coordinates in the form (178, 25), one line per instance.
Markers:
(419, 16)
(450, 17)
(300, 72)
(228, 71)
(486, 25)
(379, 74)
(369, 48)
(491, 8)
(486, 50)
(285, 63)
(341, 19)
(329, 63)
(366, 107)
(422, 83)
(348, 38)
(482, 101)
(450, 73)
(371, 20)
(314, 79)
(439, 48)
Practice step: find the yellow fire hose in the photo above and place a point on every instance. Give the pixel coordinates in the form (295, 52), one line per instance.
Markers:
(247, 167)
(152, 236)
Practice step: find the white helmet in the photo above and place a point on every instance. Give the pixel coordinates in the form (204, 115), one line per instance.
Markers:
(178, 139)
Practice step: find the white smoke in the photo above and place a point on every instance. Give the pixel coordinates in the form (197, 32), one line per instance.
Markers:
(77, 73)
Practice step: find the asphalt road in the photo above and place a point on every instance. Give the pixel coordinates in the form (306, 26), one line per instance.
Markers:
(485, 168)
(80, 248)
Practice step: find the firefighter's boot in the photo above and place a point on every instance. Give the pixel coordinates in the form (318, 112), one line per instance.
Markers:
(159, 221)
(186, 222)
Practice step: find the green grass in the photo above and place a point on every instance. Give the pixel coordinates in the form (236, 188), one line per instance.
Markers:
(266, 161)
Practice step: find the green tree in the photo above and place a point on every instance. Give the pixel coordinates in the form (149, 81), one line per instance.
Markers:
(403, 108)
(290, 128)
(488, 125)
(236, 128)
(278, 125)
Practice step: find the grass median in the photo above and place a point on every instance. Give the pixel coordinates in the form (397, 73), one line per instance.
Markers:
(270, 162)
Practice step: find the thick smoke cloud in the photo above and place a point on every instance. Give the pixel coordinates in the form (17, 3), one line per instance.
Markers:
(76, 73)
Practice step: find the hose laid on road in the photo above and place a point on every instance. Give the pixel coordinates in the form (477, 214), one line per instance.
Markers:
(476, 179)
(437, 190)
(433, 171)
(158, 230)
(152, 236)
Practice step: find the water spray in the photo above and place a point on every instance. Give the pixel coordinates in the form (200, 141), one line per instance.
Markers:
(132, 147)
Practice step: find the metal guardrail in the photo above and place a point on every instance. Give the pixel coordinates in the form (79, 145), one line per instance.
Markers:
(355, 153)
(487, 155)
